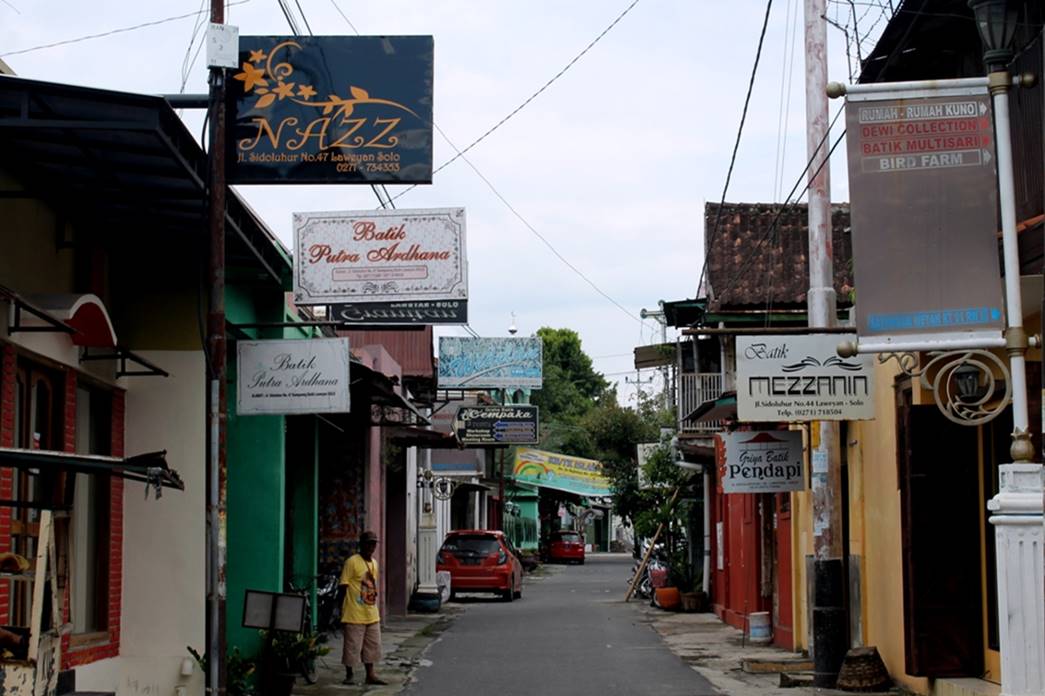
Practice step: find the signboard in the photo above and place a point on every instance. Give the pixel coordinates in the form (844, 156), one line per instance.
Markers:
(801, 378)
(416, 313)
(331, 110)
(292, 376)
(490, 363)
(380, 256)
(767, 461)
(924, 213)
(496, 425)
(561, 472)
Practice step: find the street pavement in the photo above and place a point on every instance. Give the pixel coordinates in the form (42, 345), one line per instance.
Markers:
(569, 634)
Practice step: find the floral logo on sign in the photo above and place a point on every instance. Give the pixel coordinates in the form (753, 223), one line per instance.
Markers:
(271, 81)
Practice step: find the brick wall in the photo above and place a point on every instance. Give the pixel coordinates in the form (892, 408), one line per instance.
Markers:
(81, 655)
(7, 439)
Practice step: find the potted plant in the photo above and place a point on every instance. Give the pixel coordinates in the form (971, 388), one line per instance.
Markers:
(288, 655)
(239, 672)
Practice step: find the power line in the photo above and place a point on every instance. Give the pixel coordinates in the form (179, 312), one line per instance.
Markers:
(546, 85)
(111, 32)
(736, 145)
(489, 184)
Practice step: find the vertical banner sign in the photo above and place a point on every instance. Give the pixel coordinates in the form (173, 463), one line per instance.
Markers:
(387, 256)
(292, 376)
(922, 181)
(331, 109)
(802, 378)
(766, 461)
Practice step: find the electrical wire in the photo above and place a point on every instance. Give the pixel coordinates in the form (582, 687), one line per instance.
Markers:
(524, 104)
(736, 144)
(111, 32)
(461, 155)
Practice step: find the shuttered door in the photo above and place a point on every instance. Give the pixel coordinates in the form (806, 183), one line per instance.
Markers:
(941, 545)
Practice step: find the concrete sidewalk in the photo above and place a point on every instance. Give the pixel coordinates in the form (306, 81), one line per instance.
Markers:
(403, 641)
(719, 653)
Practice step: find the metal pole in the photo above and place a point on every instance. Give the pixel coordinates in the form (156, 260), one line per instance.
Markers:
(830, 622)
(1015, 337)
(216, 355)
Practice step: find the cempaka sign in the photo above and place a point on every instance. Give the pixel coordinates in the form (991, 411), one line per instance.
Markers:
(331, 109)
(496, 425)
(292, 377)
(380, 256)
(767, 461)
(801, 378)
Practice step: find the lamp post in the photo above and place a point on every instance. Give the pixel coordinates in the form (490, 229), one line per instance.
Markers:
(1017, 508)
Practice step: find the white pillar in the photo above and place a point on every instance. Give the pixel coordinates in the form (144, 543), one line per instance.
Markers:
(1017, 521)
(427, 536)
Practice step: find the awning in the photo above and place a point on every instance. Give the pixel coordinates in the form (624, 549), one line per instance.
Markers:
(657, 355)
(470, 487)
(85, 313)
(387, 406)
(722, 408)
(425, 438)
(150, 469)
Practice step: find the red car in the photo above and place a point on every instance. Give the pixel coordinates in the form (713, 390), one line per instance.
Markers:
(566, 547)
(481, 560)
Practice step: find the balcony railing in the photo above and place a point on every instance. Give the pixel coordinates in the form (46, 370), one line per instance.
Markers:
(695, 389)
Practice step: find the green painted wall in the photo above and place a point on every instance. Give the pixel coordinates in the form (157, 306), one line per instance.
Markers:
(256, 479)
(302, 475)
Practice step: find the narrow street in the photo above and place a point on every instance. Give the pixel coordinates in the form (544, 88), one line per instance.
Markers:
(569, 634)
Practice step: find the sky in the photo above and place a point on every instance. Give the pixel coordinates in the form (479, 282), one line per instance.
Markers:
(612, 164)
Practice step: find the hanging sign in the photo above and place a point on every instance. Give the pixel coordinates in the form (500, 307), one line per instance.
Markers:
(922, 183)
(561, 472)
(767, 461)
(496, 425)
(801, 378)
(490, 363)
(331, 109)
(417, 312)
(380, 256)
(295, 376)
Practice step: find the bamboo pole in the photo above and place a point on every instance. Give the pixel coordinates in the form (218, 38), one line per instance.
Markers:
(649, 552)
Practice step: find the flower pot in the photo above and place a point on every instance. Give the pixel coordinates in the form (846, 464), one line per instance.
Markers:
(668, 598)
(282, 683)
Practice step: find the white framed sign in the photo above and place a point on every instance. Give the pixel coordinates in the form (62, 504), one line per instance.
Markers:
(295, 376)
(802, 378)
(761, 461)
(380, 256)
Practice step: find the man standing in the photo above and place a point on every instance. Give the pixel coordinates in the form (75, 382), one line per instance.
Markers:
(360, 618)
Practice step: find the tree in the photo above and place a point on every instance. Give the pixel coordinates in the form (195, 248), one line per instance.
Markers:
(571, 388)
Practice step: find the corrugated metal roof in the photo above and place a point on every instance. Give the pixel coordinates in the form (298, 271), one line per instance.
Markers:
(411, 348)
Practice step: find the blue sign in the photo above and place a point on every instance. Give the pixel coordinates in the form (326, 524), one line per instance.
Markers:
(490, 363)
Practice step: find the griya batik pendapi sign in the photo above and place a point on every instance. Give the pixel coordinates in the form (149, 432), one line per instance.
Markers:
(380, 256)
(331, 109)
(802, 378)
(760, 461)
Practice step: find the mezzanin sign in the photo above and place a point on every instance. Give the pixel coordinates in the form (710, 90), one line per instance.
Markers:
(332, 109)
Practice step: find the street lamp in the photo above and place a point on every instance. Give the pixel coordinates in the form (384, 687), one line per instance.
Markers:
(1017, 507)
(996, 21)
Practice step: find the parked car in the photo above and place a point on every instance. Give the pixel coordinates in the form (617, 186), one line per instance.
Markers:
(566, 546)
(481, 560)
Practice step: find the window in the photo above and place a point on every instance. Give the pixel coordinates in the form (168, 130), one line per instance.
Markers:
(90, 518)
(38, 425)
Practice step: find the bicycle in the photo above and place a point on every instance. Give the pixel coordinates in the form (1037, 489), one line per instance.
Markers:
(327, 617)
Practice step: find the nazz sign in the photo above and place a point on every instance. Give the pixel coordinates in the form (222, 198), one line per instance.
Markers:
(332, 109)
(768, 461)
(801, 378)
(380, 256)
(292, 376)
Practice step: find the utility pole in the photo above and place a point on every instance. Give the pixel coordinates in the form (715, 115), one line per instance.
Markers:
(830, 620)
(216, 392)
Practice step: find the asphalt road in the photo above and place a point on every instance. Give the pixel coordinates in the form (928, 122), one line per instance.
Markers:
(569, 634)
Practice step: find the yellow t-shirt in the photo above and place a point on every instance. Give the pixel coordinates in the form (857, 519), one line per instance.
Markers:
(360, 578)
